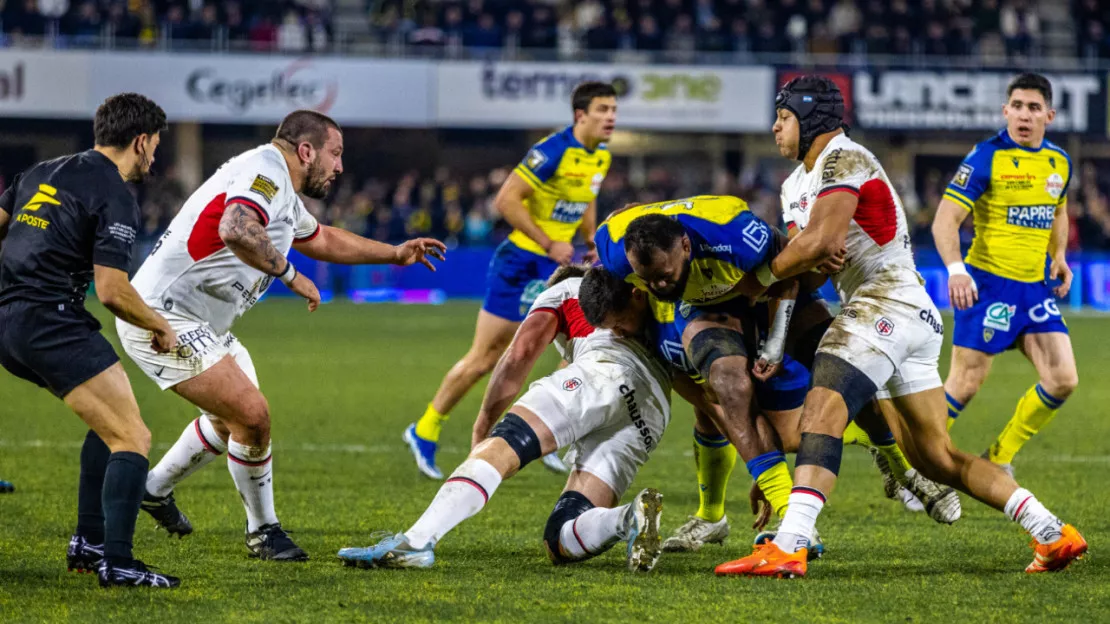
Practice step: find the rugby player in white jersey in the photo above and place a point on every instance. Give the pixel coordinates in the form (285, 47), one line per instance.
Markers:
(884, 343)
(218, 257)
(610, 406)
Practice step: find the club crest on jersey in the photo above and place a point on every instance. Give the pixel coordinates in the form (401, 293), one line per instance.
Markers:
(999, 316)
(265, 187)
(884, 326)
(535, 159)
(1054, 186)
(988, 333)
(963, 176)
(572, 384)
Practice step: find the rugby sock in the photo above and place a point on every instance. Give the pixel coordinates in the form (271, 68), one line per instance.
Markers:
(955, 408)
(773, 477)
(198, 445)
(465, 492)
(800, 519)
(1026, 510)
(1035, 410)
(715, 458)
(854, 434)
(430, 424)
(593, 532)
(895, 457)
(90, 488)
(124, 483)
(251, 468)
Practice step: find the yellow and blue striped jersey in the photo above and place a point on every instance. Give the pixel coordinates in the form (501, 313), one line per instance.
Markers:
(726, 242)
(1013, 193)
(565, 178)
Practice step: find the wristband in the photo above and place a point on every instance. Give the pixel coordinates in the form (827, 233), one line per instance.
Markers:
(957, 268)
(772, 349)
(289, 274)
(765, 275)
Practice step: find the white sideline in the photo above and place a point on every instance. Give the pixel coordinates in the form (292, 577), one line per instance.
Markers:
(399, 449)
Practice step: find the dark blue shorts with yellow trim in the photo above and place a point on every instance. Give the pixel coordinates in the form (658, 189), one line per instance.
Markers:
(514, 280)
(1005, 310)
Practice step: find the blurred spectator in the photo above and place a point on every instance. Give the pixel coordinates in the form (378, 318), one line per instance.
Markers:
(484, 34)
(1020, 27)
(648, 36)
(292, 35)
(208, 27)
(541, 33)
(601, 36)
(85, 26)
(263, 35)
(429, 33)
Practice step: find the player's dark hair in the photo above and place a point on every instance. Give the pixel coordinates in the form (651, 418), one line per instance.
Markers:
(586, 92)
(1032, 82)
(305, 125)
(125, 116)
(650, 232)
(564, 273)
(603, 293)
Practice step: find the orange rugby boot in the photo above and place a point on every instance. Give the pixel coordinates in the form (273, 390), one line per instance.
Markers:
(1059, 554)
(767, 560)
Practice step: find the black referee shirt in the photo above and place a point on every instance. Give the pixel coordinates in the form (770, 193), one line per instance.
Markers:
(67, 214)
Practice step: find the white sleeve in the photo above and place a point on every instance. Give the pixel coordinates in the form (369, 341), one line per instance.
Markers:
(787, 214)
(845, 169)
(259, 183)
(305, 226)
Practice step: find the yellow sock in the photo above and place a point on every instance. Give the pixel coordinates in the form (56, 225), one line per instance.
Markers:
(1035, 410)
(714, 457)
(894, 456)
(776, 484)
(855, 435)
(430, 424)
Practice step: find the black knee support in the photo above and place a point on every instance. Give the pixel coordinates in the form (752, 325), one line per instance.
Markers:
(520, 437)
(712, 344)
(818, 449)
(846, 380)
(569, 506)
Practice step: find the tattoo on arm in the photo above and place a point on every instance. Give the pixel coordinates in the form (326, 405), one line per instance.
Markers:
(243, 233)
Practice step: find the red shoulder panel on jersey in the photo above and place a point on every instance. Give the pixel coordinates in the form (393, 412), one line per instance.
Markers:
(205, 239)
(877, 214)
(572, 321)
(311, 236)
(246, 201)
(838, 188)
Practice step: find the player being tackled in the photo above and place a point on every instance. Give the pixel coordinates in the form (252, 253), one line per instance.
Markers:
(610, 406)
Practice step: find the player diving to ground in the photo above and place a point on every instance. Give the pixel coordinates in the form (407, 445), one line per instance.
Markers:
(1014, 185)
(218, 257)
(884, 343)
(548, 198)
(610, 406)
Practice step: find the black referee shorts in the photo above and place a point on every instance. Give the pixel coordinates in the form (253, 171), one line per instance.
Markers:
(56, 346)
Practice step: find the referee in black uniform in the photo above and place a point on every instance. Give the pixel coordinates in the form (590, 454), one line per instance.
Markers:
(64, 223)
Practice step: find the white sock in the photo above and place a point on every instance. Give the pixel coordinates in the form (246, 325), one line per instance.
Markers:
(252, 469)
(198, 445)
(803, 507)
(466, 491)
(593, 532)
(1026, 510)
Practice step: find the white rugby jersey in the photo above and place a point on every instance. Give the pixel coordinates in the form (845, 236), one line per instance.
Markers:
(192, 273)
(577, 339)
(878, 238)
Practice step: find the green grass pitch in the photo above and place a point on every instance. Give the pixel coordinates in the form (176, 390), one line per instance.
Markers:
(345, 381)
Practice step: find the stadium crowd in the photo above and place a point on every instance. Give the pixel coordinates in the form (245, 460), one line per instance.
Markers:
(458, 208)
(746, 27)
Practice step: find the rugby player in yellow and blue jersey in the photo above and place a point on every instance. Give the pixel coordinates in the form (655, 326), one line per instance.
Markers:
(549, 198)
(1014, 185)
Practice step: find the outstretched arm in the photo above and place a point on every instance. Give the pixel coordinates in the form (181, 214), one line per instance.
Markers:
(242, 231)
(533, 336)
(339, 246)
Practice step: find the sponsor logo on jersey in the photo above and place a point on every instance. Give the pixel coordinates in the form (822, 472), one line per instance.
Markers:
(45, 195)
(884, 326)
(828, 172)
(192, 342)
(535, 159)
(1043, 311)
(963, 176)
(568, 211)
(265, 187)
(635, 416)
(716, 248)
(927, 316)
(999, 316)
(1036, 217)
(756, 234)
(572, 384)
(1054, 186)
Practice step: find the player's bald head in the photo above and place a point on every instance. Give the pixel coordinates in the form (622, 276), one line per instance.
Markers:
(306, 126)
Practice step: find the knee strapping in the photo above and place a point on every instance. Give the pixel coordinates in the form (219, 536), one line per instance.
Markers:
(569, 506)
(818, 449)
(520, 437)
(712, 344)
(849, 382)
